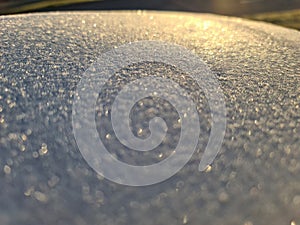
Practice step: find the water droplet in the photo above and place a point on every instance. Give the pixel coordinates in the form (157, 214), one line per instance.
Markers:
(223, 197)
(22, 148)
(248, 223)
(7, 169)
(185, 219)
(53, 181)
(35, 154)
(296, 200)
(24, 137)
(107, 136)
(208, 169)
(40, 196)
(180, 184)
(43, 150)
(29, 191)
(28, 132)
(140, 131)
(258, 152)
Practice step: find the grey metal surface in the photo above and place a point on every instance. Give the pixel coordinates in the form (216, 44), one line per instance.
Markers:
(44, 179)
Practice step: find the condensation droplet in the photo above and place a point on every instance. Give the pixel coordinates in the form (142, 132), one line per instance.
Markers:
(43, 150)
(29, 191)
(53, 181)
(223, 197)
(296, 200)
(22, 148)
(180, 184)
(248, 223)
(29, 132)
(107, 136)
(7, 169)
(41, 197)
(35, 154)
(24, 137)
(208, 169)
(140, 131)
(258, 152)
(185, 219)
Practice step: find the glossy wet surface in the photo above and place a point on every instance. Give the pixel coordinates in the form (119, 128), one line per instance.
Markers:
(44, 179)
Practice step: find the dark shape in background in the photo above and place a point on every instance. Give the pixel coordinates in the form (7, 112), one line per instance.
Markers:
(226, 7)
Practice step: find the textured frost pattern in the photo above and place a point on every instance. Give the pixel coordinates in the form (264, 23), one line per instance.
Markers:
(43, 178)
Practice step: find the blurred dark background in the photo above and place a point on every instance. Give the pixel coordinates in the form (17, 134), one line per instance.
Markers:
(226, 7)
